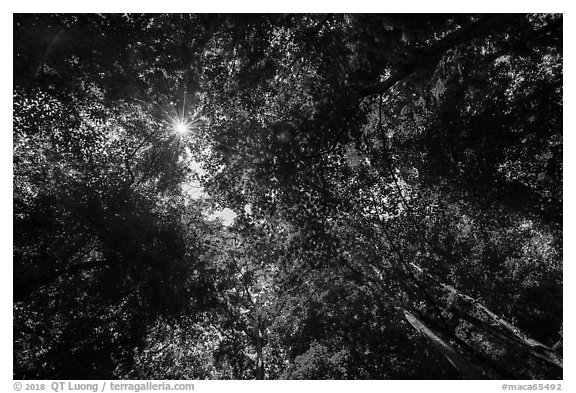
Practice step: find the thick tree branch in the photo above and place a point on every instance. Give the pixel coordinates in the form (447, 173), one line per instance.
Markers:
(433, 53)
(24, 289)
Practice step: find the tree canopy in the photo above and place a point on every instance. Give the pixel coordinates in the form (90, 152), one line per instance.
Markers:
(396, 182)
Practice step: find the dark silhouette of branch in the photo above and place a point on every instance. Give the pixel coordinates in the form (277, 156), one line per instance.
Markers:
(430, 55)
(22, 290)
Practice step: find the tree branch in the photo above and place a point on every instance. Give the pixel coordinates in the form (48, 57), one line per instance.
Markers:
(433, 53)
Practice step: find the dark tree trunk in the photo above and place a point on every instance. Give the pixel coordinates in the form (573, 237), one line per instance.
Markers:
(259, 357)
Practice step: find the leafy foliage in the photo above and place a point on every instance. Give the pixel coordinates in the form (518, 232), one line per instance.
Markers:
(397, 181)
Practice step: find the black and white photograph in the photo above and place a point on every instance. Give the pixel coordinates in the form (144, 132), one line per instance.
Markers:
(287, 196)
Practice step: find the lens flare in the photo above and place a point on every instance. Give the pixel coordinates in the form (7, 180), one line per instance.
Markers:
(180, 127)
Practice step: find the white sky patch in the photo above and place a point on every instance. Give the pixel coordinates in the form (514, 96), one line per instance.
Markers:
(193, 187)
(196, 191)
(226, 215)
(196, 167)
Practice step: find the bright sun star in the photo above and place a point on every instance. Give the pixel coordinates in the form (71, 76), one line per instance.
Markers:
(181, 127)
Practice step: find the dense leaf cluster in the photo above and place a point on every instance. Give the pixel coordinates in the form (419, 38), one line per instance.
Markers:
(396, 179)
